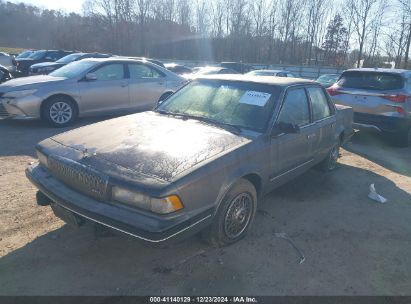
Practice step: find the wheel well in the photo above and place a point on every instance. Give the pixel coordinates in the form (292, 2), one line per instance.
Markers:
(255, 179)
(168, 93)
(57, 95)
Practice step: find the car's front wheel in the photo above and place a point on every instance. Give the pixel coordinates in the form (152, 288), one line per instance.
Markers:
(59, 111)
(234, 216)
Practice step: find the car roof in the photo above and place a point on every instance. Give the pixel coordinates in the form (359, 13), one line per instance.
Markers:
(278, 81)
(382, 70)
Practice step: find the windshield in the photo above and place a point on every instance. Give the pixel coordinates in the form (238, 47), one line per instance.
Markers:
(241, 104)
(69, 58)
(371, 80)
(207, 71)
(37, 55)
(24, 54)
(73, 69)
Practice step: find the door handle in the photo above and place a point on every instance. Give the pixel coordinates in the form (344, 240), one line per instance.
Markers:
(310, 136)
(123, 85)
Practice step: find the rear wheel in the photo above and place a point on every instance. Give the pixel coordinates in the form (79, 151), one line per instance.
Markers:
(164, 97)
(330, 162)
(234, 215)
(59, 111)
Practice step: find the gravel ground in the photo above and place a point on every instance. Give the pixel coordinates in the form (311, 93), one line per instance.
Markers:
(352, 245)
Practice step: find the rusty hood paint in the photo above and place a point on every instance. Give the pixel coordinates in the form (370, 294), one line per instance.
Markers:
(152, 144)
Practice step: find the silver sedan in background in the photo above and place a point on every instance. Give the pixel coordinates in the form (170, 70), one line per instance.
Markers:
(88, 87)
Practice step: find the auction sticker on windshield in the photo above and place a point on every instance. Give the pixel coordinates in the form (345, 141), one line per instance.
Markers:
(255, 98)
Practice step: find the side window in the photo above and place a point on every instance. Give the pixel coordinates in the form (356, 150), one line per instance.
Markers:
(290, 75)
(52, 56)
(281, 74)
(295, 108)
(112, 71)
(319, 102)
(138, 71)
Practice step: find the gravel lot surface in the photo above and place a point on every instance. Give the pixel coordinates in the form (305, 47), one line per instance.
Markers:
(352, 245)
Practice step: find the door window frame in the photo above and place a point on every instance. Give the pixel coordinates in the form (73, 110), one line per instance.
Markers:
(92, 70)
(330, 103)
(127, 71)
(287, 90)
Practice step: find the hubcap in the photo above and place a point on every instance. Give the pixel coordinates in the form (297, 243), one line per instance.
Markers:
(61, 112)
(238, 215)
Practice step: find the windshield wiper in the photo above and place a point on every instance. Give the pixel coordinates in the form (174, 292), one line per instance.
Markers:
(185, 116)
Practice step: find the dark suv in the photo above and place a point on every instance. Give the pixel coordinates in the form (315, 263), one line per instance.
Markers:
(24, 64)
(381, 99)
(48, 67)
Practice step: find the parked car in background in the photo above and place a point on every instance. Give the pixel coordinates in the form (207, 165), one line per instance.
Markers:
(24, 54)
(5, 74)
(237, 66)
(7, 61)
(178, 68)
(87, 87)
(277, 73)
(24, 64)
(48, 67)
(209, 70)
(327, 80)
(199, 162)
(380, 99)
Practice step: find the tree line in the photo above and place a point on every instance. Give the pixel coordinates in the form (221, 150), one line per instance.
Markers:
(300, 32)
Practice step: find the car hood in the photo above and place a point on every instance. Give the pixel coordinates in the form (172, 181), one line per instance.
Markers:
(151, 144)
(28, 82)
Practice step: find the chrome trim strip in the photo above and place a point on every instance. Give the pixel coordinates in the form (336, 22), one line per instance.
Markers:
(361, 125)
(135, 235)
(299, 166)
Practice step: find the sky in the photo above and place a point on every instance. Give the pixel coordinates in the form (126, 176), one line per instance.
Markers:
(66, 5)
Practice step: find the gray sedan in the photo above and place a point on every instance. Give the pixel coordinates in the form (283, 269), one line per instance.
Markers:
(87, 87)
(199, 161)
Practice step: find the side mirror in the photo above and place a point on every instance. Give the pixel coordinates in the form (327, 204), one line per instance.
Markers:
(287, 128)
(91, 76)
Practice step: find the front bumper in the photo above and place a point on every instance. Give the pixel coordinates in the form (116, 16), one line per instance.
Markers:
(27, 107)
(153, 229)
(388, 124)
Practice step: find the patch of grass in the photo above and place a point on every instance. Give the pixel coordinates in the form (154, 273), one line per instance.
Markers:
(11, 50)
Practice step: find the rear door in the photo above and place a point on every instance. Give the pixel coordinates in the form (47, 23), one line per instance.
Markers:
(108, 93)
(147, 84)
(293, 152)
(324, 118)
(368, 92)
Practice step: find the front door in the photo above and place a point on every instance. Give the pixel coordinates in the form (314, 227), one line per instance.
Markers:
(107, 93)
(293, 153)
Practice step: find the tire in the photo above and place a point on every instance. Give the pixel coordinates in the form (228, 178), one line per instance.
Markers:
(234, 216)
(59, 111)
(164, 97)
(330, 162)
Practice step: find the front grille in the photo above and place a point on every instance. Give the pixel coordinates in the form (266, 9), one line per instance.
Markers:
(79, 177)
(3, 111)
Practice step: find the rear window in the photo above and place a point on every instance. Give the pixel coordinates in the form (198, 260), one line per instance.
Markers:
(371, 80)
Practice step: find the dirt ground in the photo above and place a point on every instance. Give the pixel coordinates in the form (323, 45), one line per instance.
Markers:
(352, 245)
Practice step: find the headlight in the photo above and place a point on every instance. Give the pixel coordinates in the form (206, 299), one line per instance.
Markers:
(16, 94)
(157, 205)
(42, 158)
